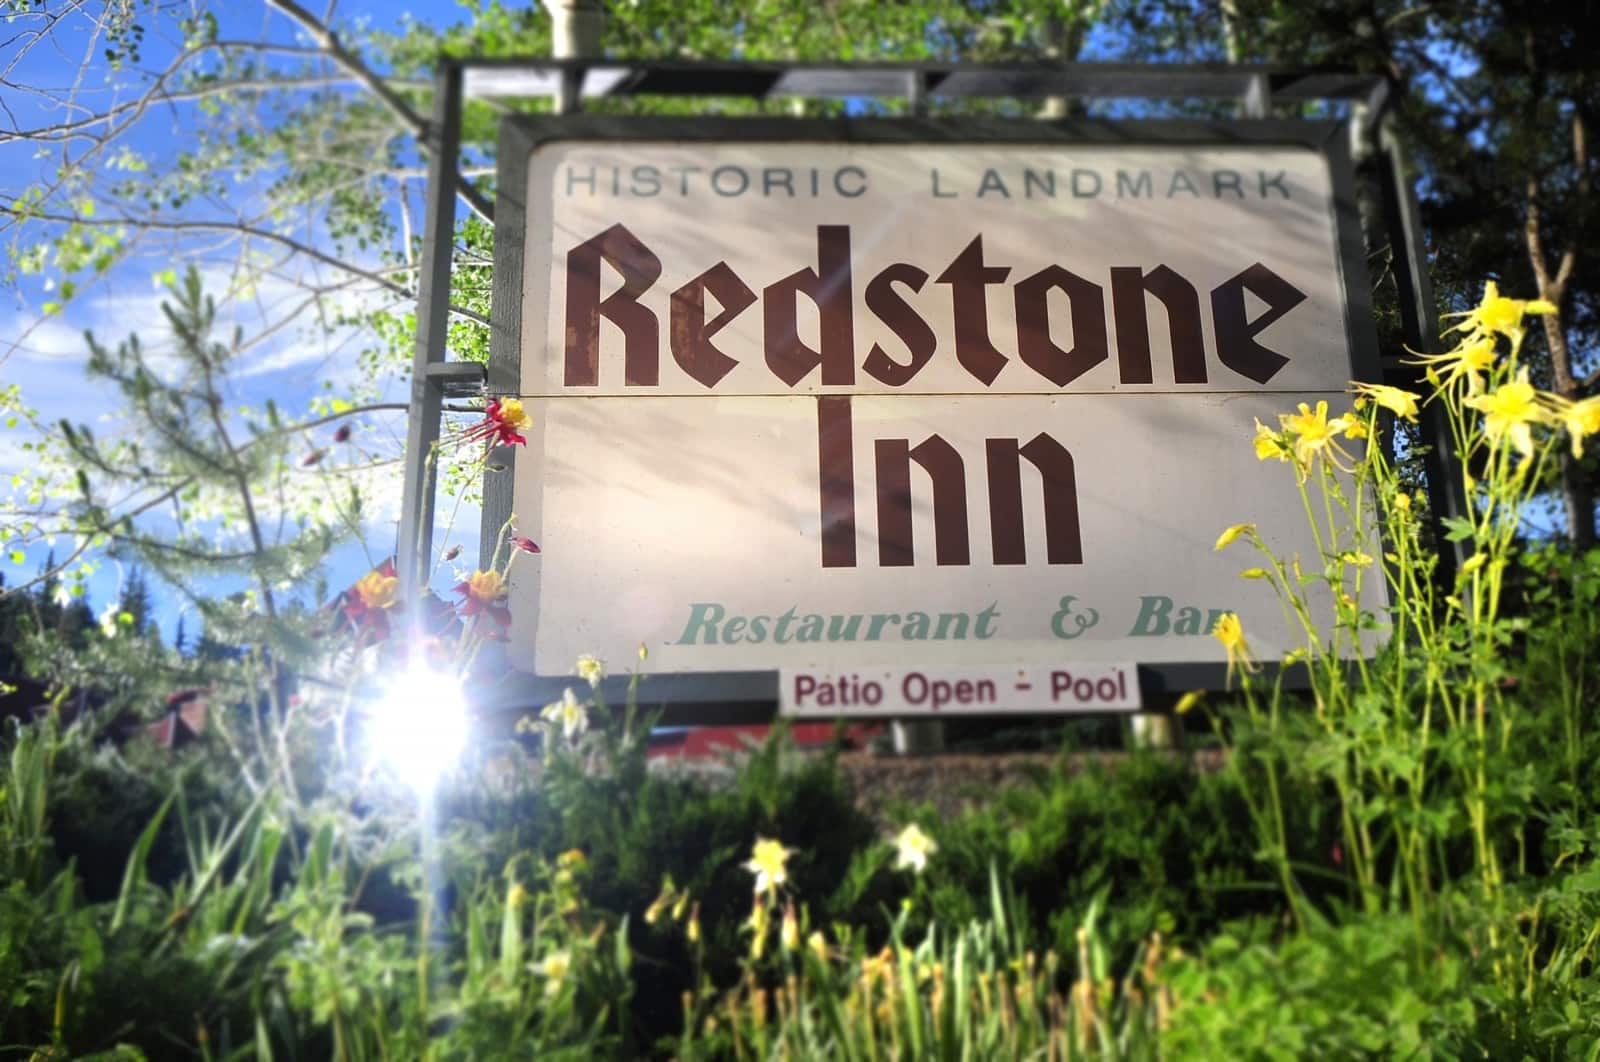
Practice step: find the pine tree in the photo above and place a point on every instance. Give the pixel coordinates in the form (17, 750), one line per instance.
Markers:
(137, 603)
(226, 475)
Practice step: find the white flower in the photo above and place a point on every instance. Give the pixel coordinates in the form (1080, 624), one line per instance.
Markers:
(569, 712)
(912, 849)
(591, 669)
(555, 966)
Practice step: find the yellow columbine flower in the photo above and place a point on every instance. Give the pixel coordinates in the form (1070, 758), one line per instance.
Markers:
(1254, 573)
(1511, 410)
(1470, 360)
(766, 862)
(516, 896)
(513, 414)
(1399, 402)
(1231, 535)
(1230, 632)
(818, 945)
(912, 849)
(1270, 444)
(485, 586)
(1187, 702)
(378, 589)
(1311, 431)
(1581, 419)
(591, 669)
(1498, 314)
(1402, 501)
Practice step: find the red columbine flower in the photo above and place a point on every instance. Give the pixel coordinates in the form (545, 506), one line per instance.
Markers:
(366, 604)
(525, 544)
(503, 423)
(343, 434)
(484, 593)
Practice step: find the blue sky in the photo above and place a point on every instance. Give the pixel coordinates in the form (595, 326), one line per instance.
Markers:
(45, 353)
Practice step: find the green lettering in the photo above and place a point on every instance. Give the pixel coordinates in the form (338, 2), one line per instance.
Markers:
(992, 183)
(1152, 619)
(985, 618)
(702, 616)
(1136, 186)
(843, 628)
(1188, 621)
(916, 626)
(875, 624)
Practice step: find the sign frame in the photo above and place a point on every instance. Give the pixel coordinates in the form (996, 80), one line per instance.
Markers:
(723, 696)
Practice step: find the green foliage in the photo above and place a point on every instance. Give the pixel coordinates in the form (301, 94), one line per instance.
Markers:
(1158, 845)
(1360, 988)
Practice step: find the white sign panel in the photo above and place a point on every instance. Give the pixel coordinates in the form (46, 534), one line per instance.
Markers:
(836, 405)
(823, 693)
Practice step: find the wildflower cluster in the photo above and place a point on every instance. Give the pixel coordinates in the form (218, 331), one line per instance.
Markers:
(962, 991)
(1474, 375)
(1442, 671)
(481, 611)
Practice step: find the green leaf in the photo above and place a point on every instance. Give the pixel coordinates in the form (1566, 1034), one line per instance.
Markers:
(133, 875)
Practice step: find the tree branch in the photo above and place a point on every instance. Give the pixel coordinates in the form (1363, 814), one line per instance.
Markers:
(1580, 155)
(242, 229)
(319, 32)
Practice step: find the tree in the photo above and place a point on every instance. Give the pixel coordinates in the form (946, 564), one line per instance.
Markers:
(1498, 102)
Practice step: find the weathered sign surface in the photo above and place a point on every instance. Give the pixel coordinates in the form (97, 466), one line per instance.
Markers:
(823, 406)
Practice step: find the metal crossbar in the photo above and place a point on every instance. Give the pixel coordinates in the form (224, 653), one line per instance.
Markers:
(548, 78)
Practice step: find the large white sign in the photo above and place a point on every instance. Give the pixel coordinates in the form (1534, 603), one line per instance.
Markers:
(810, 406)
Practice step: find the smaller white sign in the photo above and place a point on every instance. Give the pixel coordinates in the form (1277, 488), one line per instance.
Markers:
(974, 689)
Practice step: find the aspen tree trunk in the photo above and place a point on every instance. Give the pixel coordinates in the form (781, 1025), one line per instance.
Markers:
(575, 27)
(1577, 492)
